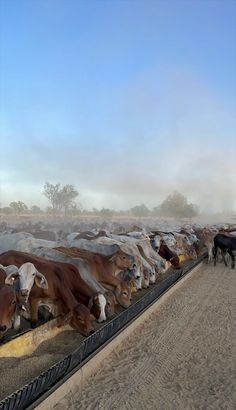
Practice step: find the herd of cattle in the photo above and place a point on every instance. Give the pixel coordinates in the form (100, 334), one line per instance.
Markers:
(81, 277)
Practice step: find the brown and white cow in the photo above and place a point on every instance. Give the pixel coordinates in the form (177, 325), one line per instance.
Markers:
(64, 288)
(105, 268)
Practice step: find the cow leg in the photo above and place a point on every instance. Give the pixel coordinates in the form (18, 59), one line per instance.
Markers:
(210, 254)
(232, 259)
(215, 254)
(223, 251)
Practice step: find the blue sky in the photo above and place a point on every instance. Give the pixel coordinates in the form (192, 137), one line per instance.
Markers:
(126, 100)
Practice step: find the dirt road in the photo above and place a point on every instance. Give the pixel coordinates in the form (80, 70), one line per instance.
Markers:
(183, 357)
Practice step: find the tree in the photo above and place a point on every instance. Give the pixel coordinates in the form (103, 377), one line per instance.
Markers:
(176, 205)
(66, 197)
(18, 207)
(61, 198)
(52, 194)
(35, 210)
(106, 212)
(140, 210)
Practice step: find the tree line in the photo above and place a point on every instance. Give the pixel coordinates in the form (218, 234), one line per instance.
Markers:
(62, 200)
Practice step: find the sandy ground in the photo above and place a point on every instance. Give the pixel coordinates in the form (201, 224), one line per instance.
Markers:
(183, 357)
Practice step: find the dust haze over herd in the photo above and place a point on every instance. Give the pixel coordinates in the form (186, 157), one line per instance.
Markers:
(125, 127)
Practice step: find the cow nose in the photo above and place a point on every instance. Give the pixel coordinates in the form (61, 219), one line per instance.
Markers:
(2, 328)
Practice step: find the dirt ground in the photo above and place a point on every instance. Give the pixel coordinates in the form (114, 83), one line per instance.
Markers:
(183, 357)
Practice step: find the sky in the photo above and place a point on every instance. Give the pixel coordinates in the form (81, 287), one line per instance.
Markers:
(127, 100)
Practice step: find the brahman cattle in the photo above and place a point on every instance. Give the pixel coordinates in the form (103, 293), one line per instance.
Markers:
(206, 239)
(65, 288)
(104, 269)
(84, 270)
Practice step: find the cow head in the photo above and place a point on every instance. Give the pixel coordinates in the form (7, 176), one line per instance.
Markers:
(122, 260)
(7, 308)
(152, 276)
(79, 319)
(123, 294)
(175, 262)
(145, 278)
(110, 304)
(97, 306)
(156, 242)
(27, 275)
(137, 274)
(192, 253)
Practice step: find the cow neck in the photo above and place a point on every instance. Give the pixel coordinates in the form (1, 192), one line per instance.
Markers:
(111, 267)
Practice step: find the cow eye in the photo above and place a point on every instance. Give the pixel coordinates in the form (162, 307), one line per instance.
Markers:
(108, 303)
(13, 302)
(124, 257)
(125, 293)
(80, 319)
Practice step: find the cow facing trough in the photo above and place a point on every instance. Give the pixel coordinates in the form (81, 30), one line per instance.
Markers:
(63, 282)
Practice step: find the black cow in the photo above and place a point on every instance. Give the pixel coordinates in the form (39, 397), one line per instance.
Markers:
(226, 244)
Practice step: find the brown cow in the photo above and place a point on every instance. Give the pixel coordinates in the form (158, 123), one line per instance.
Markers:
(8, 301)
(104, 268)
(169, 255)
(64, 289)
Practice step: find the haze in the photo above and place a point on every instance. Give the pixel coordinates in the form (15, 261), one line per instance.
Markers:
(126, 100)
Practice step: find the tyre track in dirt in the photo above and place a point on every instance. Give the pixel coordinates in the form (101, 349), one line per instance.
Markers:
(182, 357)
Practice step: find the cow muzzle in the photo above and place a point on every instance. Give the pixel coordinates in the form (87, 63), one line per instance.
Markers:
(24, 293)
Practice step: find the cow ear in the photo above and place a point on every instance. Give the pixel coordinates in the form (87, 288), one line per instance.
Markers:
(41, 281)
(117, 290)
(11, 278)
